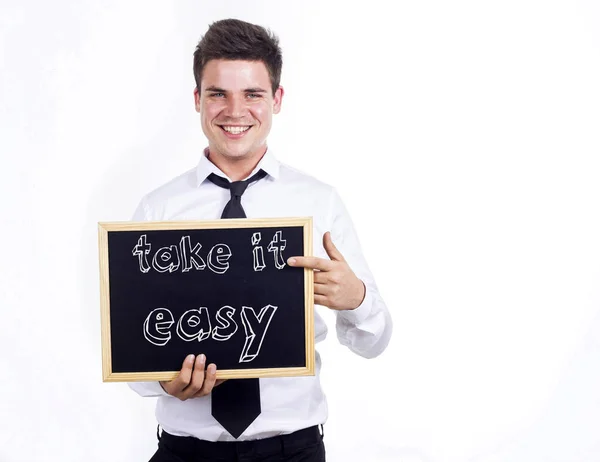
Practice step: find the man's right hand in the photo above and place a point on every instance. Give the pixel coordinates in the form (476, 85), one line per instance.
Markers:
(193, 381)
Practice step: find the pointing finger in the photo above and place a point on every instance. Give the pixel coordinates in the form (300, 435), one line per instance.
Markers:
(321, 264)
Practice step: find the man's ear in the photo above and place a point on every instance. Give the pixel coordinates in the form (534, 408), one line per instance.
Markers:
(277, 98)
(197, 99)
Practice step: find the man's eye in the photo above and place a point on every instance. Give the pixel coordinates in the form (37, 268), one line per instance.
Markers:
(218, 94)
(253, 95)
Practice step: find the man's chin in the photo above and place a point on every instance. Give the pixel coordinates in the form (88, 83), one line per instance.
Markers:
(234, 152)
(238, 151)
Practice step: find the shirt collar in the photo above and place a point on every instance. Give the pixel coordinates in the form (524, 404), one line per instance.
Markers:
(268, 163)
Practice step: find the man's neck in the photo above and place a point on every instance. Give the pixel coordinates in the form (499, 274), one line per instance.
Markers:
(236, 169)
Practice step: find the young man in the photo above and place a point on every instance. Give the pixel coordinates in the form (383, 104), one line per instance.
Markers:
(237, 67)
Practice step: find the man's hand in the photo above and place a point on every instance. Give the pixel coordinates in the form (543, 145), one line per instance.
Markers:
(336, 285)
(193, 381)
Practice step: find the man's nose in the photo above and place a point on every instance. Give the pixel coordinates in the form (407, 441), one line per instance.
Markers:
(236, 107)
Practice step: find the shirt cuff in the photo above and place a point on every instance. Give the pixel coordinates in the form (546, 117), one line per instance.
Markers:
(359, 314)
(150, 389)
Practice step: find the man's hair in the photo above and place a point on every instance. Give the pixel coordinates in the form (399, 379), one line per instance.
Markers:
(233, 39)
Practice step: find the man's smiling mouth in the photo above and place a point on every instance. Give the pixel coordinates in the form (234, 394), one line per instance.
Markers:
(235, 129)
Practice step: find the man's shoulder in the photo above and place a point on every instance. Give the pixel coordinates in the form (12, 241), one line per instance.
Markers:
(181, 184)
(294, 175)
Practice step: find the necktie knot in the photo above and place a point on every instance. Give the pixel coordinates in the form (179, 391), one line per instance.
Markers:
(234, 209)
(237, 188)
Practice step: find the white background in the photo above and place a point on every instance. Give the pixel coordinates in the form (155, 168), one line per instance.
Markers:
(464, 139)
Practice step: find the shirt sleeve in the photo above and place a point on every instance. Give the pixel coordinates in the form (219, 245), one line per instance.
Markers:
(147, 389)
(141, 212)
(367, 329)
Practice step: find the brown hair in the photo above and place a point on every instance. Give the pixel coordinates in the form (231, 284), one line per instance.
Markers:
(233, 39)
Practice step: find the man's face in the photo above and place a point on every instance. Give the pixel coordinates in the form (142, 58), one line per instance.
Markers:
(236, 107)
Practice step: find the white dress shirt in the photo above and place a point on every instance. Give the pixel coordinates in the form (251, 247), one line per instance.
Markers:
(288, 403)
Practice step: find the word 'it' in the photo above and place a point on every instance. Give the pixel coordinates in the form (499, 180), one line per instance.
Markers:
(196, 325)
(185, 257)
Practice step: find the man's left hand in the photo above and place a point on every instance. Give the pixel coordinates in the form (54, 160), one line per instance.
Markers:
(336, 285)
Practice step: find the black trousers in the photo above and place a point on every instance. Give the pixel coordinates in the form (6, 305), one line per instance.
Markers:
(302, 446)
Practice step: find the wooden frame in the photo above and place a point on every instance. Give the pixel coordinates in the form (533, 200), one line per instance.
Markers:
(105, 227)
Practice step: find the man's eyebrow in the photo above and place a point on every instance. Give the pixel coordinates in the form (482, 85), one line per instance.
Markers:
(247, 90)
(213, 88)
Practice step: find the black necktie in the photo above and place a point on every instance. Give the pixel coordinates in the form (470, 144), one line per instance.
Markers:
(236, 402)
(233, 208)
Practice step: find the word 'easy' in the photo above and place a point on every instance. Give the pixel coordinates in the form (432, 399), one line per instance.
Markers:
(196, 325)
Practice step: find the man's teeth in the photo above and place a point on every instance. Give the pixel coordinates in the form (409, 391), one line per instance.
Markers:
(234, 130)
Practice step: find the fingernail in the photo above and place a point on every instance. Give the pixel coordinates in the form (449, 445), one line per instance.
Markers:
(291, 261)
(211, 369)
(190, 359)
(201, 358)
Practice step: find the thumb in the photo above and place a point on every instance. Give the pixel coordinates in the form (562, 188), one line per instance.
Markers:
(331, 249)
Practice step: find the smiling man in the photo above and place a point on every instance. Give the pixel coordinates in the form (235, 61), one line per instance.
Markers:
(236, 104)
(237, 68)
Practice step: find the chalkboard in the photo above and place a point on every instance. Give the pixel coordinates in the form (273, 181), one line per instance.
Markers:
(223, 288)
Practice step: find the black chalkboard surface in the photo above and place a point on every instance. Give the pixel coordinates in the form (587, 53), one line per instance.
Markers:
(222, 288)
